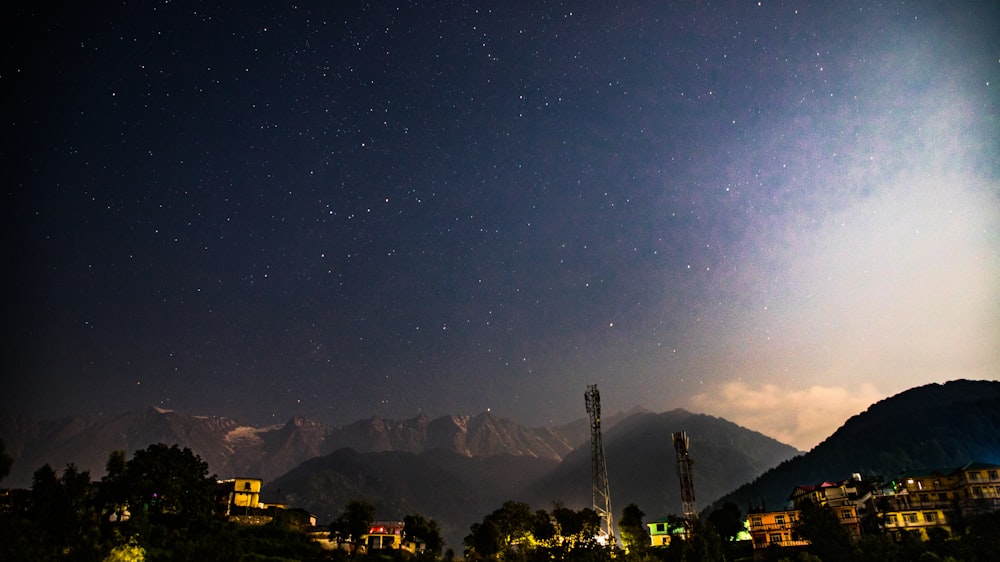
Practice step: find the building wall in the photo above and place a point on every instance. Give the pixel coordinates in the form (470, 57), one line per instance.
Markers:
(661, 533)
(246, 492)
(385, 535)
(936, 499)
(775, 528)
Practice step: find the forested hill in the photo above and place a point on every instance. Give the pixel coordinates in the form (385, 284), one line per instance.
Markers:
(932, 426)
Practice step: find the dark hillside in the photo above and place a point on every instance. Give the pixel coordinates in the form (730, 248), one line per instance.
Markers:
(455, 490)
(642, 462)
(937, 425)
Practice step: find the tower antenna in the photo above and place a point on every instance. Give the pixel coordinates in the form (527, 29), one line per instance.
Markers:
(599, 471)
(684, 463)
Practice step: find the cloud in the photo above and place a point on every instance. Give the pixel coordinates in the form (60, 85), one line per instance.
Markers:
(800, 417)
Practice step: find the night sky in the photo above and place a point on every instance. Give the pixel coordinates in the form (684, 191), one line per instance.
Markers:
(772, 212)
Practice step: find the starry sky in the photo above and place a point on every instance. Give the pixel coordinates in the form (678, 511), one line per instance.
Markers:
(773, 212)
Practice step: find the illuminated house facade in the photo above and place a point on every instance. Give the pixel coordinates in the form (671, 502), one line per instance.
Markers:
(930, 499)
(384, 535)
(846, 498)
(243, 493)
(664, 529)
(775, 528)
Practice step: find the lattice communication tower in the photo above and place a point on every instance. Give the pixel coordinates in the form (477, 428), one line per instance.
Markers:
(684, 463)
(599, 471)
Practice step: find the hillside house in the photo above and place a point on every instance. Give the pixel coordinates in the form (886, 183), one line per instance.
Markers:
(385, 535)
(664, 529)
(243, 494)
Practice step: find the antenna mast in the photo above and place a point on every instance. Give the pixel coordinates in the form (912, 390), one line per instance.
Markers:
(684, 463)
(602, 496)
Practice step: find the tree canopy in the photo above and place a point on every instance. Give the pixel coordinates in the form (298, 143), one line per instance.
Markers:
(353, 523)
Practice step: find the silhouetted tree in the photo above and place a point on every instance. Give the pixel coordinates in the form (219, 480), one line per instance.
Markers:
(577, 526)
(63, 510)
(879, 548)
(828, 539)
(634, 532)
(169, 480)
(353, 524)
(511, 524)
(483, 541)
(543, 529)
(982, 537)
(727, 521)
(112, 495)
(417, 527)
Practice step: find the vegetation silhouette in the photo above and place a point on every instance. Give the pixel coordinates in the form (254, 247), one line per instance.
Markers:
(162, 504)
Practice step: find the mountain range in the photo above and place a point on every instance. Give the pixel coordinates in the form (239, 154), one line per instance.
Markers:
(456, 469)
(458, 490)
(233, 449)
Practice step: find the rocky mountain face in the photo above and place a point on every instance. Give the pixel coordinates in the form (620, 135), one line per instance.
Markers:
(233, 449)
(458, 490)
(457, 469)
(454, 469)
(933, 426)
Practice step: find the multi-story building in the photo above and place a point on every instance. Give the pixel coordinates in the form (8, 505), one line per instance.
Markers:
(928, 499)
(776, 528)
(846, 498)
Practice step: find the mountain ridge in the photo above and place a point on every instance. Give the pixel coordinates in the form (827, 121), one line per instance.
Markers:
(939, 425)
(232, 448)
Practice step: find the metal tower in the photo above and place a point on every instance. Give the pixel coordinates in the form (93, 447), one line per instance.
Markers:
(684, 463)
(599, 471)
